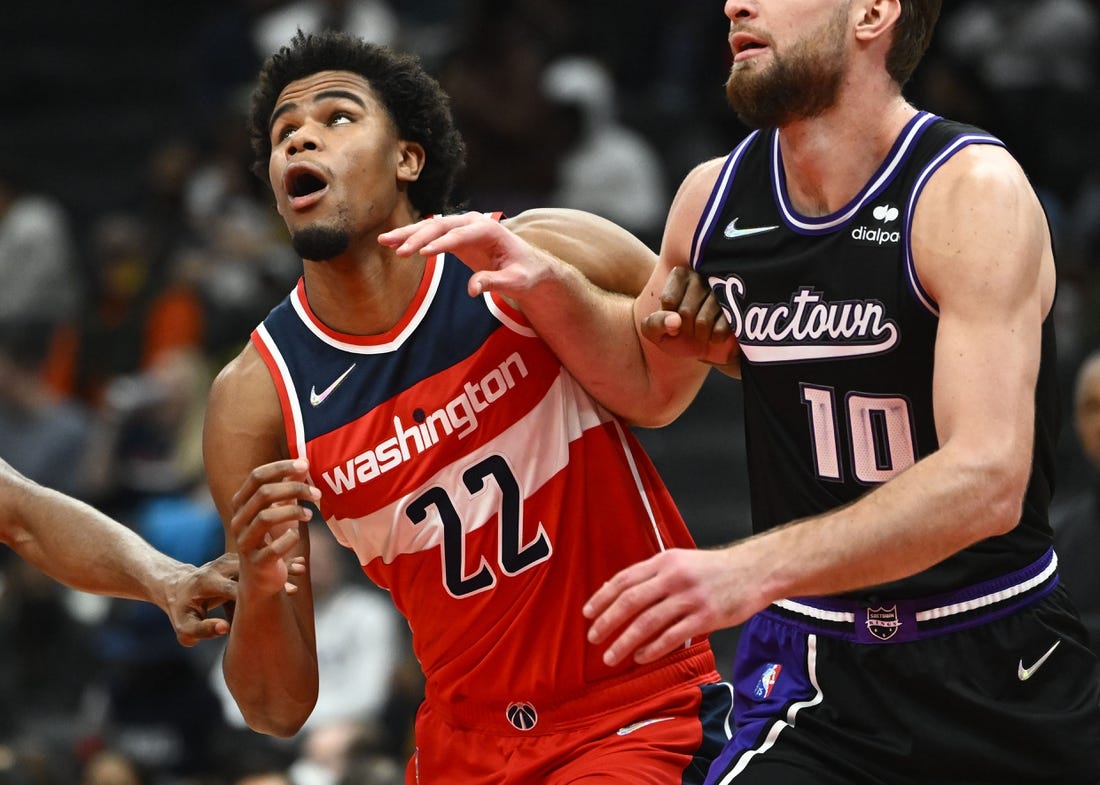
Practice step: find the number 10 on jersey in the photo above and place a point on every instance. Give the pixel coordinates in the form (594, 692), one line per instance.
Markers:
(879, 429)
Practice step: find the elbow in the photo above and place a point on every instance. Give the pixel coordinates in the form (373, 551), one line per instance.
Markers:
(271, 710)
(1005, 513)
(281, 721)
(656, 411)
(279, 727)
(650, 419)
(1003, 503)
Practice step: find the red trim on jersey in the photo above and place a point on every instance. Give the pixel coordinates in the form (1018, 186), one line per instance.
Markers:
(382, 338)
(508, 309)
(292, 438)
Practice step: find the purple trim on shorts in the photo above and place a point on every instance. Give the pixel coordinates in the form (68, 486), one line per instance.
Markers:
(895, 621)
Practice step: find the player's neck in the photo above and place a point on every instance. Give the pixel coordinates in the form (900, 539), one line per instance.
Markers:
(364, 292)
(828, 159)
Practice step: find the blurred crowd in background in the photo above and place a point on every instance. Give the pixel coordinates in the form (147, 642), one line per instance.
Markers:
(137, 252)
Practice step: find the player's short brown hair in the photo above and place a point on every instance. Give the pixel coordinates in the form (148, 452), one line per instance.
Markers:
(912, 34)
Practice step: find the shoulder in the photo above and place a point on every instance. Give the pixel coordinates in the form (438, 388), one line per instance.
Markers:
(687, 210)
(243, 397)
(243, 427)
(980, 169)
(244, 372)
(978, 191)
(980, 208)
(699, 183)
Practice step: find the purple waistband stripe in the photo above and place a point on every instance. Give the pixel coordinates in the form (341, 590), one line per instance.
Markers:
(899, 621)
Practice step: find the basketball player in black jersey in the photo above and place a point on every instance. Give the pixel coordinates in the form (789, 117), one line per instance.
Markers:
(889, 279)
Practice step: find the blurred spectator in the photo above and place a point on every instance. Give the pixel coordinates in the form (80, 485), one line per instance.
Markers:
(46, 657)
(156, 704)
(43, 435)
(265, 778)
(109, 767)
(494, 78)
(372, 20)
(372, 770)
(346, 753)
(1076, 520)
(41, 280)
(1038, 60)
(146, 437)
(139, 311)
(28, 763)
(606, 168)
(242, 263)
(364, 764)
(325, 752)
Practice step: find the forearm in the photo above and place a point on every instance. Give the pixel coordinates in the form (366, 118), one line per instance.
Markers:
(270, 666)
(934, 509)
(595, 335)
(74, 543)
(593, 332)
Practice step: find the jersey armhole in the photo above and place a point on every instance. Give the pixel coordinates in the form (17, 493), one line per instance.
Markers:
(284, 386)
(949, 150)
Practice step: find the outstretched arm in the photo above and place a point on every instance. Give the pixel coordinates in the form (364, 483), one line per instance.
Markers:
(81, 547)
(593, 331)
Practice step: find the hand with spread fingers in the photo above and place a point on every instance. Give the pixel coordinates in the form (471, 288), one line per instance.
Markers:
(649, 609)
(502, 261)
(264, 526)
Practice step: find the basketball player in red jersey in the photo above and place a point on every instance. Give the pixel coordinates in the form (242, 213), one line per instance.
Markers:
(444, 443)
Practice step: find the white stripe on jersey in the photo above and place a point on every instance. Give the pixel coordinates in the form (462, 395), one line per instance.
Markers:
(387, 532)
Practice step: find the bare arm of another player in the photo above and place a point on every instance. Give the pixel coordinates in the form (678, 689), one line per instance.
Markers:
(270, 663)
(616, 261)
(592, 331)
(608, 255)
(982, 251)
(81, 547)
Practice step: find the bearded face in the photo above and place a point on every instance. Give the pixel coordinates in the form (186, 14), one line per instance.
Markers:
(801, 81)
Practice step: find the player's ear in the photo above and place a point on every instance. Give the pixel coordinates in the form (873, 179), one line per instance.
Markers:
(410, 161)
(875, 17)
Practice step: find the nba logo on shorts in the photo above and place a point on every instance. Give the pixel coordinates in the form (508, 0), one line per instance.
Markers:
(767, 680)
(522, 715)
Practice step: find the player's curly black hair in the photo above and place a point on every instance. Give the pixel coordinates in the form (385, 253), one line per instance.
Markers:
(420, 110)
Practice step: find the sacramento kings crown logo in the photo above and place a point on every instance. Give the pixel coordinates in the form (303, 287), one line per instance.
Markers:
(883, 622)
(522, 715)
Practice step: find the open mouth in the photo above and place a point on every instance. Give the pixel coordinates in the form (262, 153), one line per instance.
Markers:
(304, 183)
(741, 43)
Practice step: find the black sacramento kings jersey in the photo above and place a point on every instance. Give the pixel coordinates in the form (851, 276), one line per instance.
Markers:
(837, 340)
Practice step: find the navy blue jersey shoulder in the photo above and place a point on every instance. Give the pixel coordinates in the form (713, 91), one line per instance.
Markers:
(838, 340)
(454, 326)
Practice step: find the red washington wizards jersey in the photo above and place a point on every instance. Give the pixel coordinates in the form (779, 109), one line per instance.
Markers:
(475, 480)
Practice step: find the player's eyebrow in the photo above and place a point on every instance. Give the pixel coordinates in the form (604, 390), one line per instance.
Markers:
(321, 96)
